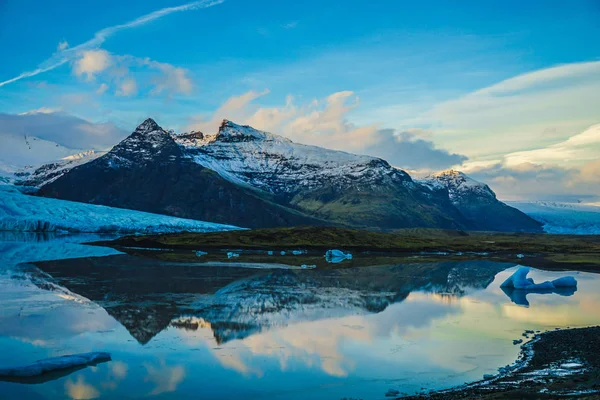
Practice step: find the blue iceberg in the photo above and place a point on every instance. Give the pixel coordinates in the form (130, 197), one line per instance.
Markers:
(518, 286)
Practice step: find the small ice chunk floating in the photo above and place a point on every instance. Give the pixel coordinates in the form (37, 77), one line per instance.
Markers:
(519, 280)
(64, 364)
(336, 256)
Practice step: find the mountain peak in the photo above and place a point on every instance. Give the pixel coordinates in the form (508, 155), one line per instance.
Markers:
(460, 185)
(232, 132)
(149, 125)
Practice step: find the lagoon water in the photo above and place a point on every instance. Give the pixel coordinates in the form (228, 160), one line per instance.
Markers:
(222, 330)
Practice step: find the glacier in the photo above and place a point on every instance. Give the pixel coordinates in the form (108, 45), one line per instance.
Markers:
(20, 212)
(563, 218)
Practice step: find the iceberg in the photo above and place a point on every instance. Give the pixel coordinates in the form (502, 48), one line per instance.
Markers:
(337, 256)
(518, 286)
(519, 280)
(282, 253)
(54, 364)
(305, 266)
(270, 252)
(201, 253)
(231, 254)
(297, 252)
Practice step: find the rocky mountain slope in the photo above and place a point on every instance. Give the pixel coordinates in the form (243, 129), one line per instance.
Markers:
(246, 177)
(149, 171)
(478, 203)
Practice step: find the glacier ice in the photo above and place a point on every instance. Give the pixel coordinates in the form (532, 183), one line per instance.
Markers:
(336, 256)
(20, 212)
(563, 218)
(519, 281)
(53, 364)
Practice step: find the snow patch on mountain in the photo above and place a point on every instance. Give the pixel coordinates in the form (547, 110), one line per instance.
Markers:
(459, 185)
(563, 218)
(275, 164)
(20, 212)
(37, 177)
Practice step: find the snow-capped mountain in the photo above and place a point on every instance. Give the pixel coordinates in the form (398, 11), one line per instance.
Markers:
(149, 171)
(277, 165)
(247, 177)
(563, 218)
(478, 203)
(37, 177)
(250, 178)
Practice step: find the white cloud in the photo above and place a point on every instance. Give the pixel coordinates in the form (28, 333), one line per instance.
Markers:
(62, 129)
(92, 62)
(127, 88)
(68, 54)
(62, 45)
(577, 149)
(528, 111)
(172, 79)
(324, 123)
(102, 88)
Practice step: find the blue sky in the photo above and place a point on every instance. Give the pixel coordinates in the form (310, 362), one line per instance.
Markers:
(495, 86)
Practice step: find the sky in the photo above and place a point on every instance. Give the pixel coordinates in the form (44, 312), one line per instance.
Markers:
(506, 91)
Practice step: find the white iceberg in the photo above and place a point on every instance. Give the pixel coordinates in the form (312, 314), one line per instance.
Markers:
(297, 252)
(53, 364)
(336, 256)
(519, 281)
(231, 254)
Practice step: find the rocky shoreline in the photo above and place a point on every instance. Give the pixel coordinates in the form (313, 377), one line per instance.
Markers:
(554, 364)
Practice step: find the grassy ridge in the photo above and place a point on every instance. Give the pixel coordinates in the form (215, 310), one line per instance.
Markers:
(565, 250)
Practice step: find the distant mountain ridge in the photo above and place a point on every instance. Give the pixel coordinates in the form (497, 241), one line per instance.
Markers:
(247, 177)
(478, 203)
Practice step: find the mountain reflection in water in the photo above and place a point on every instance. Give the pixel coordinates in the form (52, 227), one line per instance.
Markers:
(147, 296)
(179, 329)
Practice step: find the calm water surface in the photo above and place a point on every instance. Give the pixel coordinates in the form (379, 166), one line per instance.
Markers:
(223, 331)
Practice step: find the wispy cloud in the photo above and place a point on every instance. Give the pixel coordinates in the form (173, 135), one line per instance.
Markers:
(66, 54)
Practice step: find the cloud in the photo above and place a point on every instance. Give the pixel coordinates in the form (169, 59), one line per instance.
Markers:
(102, 88)
(324, 123)
(531, 110)
(62, 45)
(92, 62)
(412, 152)
(126, 72)
(172, 79)
(590, 172)
(577, 149)
(127, 88)
(567, 170)
(63, 129)
(65, 55)
(528, 181)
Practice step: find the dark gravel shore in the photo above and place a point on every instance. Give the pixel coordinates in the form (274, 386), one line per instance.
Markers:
(557, 364)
